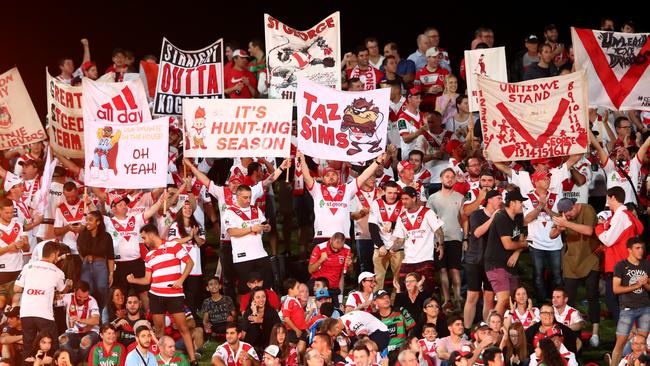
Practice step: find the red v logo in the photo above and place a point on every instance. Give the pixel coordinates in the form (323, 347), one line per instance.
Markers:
(616, 90)
(550, 129)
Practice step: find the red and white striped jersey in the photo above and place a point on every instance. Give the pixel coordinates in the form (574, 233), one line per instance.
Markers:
(164, 264)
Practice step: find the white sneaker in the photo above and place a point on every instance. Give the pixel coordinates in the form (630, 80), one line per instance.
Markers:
(594, 341)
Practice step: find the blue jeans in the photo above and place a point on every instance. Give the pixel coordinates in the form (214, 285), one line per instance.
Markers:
(628, 317)
(365, 250)
(96, 274)
(545, 259)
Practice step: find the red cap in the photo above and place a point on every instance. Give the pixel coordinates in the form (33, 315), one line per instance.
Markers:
(553, 331)
(537, 176)
(452, 145)
(414, 91)
(540, 161)
(236, 178)
(404, 164)
(87, 65)
(118, 198)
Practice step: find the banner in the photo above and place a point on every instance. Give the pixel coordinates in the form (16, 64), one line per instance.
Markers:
(65, 121)
(488, 62)
(617, 67)
(187, 74)
(149, 77)
(534, 119)
(19, 123)
(126, 156)
(346, 126)
(123, 102)
(314, 54)
(225, 128)
(43, 204)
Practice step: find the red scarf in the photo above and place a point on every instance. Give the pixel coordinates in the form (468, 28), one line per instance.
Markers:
(74, 311)
(340, 193)
(384, 213)
(227, 196)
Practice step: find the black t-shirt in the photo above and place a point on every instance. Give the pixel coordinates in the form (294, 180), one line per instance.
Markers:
(476, 248)
(496, 256)
(629, 275)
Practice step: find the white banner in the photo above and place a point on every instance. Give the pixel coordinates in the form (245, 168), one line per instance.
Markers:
(487, 62)
(123, 102)
(65, 123)
(126, 156)
(337, 125)
(617, 67)
(187, 74)
(19, 122)
(314, 54)
(237, 128)
(538, 118)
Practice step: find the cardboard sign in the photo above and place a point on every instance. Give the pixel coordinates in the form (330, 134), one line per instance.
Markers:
(65, 121)
(123, 102)
(487, 62)
(19, 122)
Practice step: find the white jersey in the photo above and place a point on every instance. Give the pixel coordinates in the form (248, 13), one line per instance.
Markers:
(55, 198)
(527, 318)
(126, 236)
(558, 175)
(192, 248)
(332, 208)
(248, 247)
(231, 358)
(571, 189)
(539, 230)
(615, 178)
(10, 233)
(226, 198)
(569, 316)
(360, 322)
(81, 311)
(385, 216)
(67, 215)
(418, 230)
(362, 199)
(356, 299)
(39, 280)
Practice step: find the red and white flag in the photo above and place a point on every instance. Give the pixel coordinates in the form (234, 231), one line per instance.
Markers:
(617, 67)
(539, 118)
(123, 102)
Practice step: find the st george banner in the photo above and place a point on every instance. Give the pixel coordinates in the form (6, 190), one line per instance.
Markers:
(617, 67)
(314, 54)
(187, 74)
(488, 62)
(19, 122)
(224, 128)
(65, 121)
(122, 102)
(539, 118)
(126, 156)
(337, 125)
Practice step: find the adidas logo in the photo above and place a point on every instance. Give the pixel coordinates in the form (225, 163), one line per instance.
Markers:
(122, 108)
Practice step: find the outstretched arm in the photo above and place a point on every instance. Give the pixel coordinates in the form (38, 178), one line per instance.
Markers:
(643, 150)
(309, 181)
(369, 171)
(505, 169)
(602, 155)
(277, 172)
(86, 57)
(197, 173)
(155, 207)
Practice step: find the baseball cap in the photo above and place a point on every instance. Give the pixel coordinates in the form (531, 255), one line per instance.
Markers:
(482, 326)
(273, 350)
(404, 164)
(117, 199)
(29, 162)
(432, 52)
(13, 312)
(236, 178)
(381, 293)
(11, 180)
(365, 275)
(414, 91)
(87, 65)
(537, 176)
(532, 39)
(540, 161)
(452, 145)
(515, 195)
(565, 204)
(240, 53)
(322, 293)
(142, 323)
(492, 193)
(457, 355)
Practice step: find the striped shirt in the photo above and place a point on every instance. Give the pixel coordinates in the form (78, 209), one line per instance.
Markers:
(164, 264)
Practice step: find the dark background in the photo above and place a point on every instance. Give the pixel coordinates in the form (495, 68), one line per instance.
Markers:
(35, 35)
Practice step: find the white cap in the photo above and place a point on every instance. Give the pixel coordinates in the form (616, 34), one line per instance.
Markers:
(10, 181)
(365, 275)
(432, 52)
(273, 350)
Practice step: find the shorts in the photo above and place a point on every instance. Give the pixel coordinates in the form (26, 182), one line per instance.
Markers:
(452, 257)
(502, 280)
(628, 317)
(164, 304)
(293, 337)
(476, 278)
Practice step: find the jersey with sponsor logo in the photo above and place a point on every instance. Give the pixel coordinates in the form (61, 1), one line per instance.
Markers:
(126, 236)
(39, 280)
(100, 356)
(418, 230)
(250, 246)
(70, 215)
(332, 208)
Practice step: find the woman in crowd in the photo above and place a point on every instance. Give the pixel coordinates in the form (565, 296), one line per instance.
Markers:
(514, 346)
(413, 298)
(288, 351)
(431, 313)
(521, 310)
(96, 248)
(116, 306)
(259, 319)
(42, 349)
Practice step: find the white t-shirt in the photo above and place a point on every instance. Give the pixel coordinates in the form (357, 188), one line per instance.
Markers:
(360, 322)
(362, 199)
(539, 230)
(418, 230)
(568, 317)
(226, 198)
(126, 236)
(332, 213)
(70, 214)
(250, 246)
(192, 248)
(383, 214)
(13, 232)
(39, 280)
(82, 311)
(616, 179)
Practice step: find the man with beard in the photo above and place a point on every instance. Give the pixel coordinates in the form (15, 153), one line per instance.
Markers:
(125, 325)
(328, 260)
(447, 203)
(559, 53)
(475, 197)
(472, 177)
(384, 213)
(368, 75)
(411, 124)
(141, 354)
(234, 352)
(332, 199)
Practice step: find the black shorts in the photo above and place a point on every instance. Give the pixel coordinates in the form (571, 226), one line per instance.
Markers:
(452, 257)
(164, 304)
(293, 337)
(476, 278)
(123, 269)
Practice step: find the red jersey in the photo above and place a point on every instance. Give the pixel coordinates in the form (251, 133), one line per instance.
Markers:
(426, 79)
(332, 268)
(235, 76)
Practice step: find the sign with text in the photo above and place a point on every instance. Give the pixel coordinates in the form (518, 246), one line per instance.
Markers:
(617, 67)
(534, 119)
(121, 102)
(237, 128)
(187, 74)
(314, 54)
(126, 156)
(337, 125)
(488, 62)
(65, 121)
(19, 122)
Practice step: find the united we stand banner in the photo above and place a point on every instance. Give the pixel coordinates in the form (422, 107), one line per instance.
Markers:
(122, 102)
(65, 120)
(487, 62)
(187, 74)
(617, 67)
(19, 122)
(222, 128)
(126, 156)
(314, 54)
(539, 118)
(338, 125)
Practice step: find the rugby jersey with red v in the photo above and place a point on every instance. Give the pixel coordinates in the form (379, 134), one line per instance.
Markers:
(164, 264)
